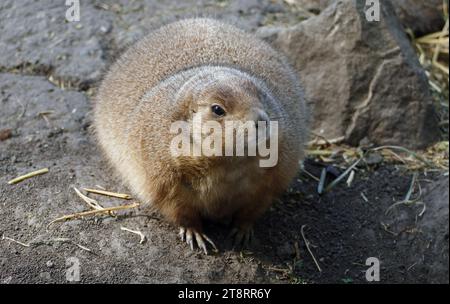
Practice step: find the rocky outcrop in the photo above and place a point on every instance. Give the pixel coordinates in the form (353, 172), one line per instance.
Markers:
(362, 78)
(420, 16)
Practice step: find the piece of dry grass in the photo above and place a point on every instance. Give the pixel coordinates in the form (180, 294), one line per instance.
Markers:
(411, 153)
(320, 140)
(28, 175)
(433, 54)
(108, 193)
(92, 212)
(364, 197)
(435, 157)
(343, 175)
(433, 50)
(310, 174)
(408, 200)
(58, 240)
(350, 179)
(15, 241)
(321, 184)
(141, 235)
(307, 244)
(91, 202)
(44, 115)
(46, 242)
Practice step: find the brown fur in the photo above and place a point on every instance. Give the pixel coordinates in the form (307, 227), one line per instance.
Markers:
(174, 72)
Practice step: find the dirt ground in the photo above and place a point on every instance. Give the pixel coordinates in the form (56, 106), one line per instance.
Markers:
(46, 104)
(343, 228)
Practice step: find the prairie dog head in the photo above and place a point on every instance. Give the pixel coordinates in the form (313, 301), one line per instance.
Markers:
(223, 95)
(227, 114)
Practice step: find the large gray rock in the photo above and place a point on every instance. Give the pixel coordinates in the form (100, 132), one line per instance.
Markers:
(314, 6)
(420, 16)
(362, 78)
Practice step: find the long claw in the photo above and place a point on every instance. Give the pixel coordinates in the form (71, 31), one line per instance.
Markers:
(182, 233)
(189, 239)
(210, 242)
(200, 242)
(190, 236)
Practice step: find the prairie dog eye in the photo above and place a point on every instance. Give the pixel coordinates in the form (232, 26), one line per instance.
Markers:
(218, 110)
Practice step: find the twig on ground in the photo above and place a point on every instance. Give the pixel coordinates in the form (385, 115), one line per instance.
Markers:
(28, 175)
(350, 179)
(343, 175)
(310, 175)
(307, 243)
(141, 235)
(15, 241)
(415, 155)
(58, 240)
(108, 193)
(364, 197)
(46, 242)
(91, 202)
(407, 200)
(386, 228)
(297, 251)
(323, 177)
(91, 212)
(324, 141)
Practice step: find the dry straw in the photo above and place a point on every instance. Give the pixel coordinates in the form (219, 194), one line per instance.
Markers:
(28, 175)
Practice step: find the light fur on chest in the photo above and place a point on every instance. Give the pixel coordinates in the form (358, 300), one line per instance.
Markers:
(223, 189)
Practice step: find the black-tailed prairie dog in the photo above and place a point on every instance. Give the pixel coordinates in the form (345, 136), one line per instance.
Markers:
(215, 71)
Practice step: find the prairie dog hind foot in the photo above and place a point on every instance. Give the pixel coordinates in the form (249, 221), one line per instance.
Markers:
(241, 237)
